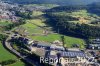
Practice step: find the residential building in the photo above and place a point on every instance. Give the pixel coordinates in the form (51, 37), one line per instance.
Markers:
(94, 44)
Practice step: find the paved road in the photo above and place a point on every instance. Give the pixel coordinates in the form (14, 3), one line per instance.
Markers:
(8, 45)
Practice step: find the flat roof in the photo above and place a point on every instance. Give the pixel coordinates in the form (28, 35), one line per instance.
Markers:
(44, 44)
(73, 54)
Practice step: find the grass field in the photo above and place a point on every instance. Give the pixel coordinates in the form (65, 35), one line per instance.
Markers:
(37, 13)
(45, 5)
(33, 26)
(69, 41)
(5, 55)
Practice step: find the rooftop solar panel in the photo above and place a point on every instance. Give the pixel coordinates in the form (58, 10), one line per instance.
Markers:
(73, 54)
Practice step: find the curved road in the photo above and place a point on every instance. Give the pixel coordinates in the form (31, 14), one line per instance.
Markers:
(8, 46)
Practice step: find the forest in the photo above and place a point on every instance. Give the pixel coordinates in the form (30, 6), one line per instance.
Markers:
(60, 20)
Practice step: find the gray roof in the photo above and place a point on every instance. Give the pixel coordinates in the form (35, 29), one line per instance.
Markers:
(73, 54)
(44, 44)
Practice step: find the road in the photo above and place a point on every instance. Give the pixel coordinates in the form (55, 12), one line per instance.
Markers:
(8, 46)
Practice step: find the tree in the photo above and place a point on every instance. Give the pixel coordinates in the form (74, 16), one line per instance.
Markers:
(63, 40)
(2, 37)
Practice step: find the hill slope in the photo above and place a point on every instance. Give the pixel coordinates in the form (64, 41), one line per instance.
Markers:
(60, 2)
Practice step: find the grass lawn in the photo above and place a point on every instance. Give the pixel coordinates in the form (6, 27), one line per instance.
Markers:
(6, 55)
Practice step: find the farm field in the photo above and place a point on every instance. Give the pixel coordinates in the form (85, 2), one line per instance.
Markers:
(43, 5)
(5, 55)
(69, 41)
(33, 26)
(36, 26)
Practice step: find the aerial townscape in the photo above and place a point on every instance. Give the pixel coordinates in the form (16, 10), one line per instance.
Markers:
(49, 33)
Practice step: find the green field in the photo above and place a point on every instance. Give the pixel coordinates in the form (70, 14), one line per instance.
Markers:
(69, 41)
(33, 26)
(30, 27)
(5, 55)
(37, 13)
(45, 5)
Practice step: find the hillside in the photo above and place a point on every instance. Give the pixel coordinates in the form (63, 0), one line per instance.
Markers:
(79, 21)
(60, 2)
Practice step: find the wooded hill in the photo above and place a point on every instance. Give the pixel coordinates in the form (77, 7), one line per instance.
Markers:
(61, 21)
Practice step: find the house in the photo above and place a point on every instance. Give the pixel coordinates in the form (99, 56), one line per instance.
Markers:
(94, 44)
(73, 49)
(41, 45)
(55, 47)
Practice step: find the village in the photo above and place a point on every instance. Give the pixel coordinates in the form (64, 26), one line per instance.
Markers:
(55, 53)
(5, 12)
(20, 43)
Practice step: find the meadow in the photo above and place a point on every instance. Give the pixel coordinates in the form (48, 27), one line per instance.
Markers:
(69, 41)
